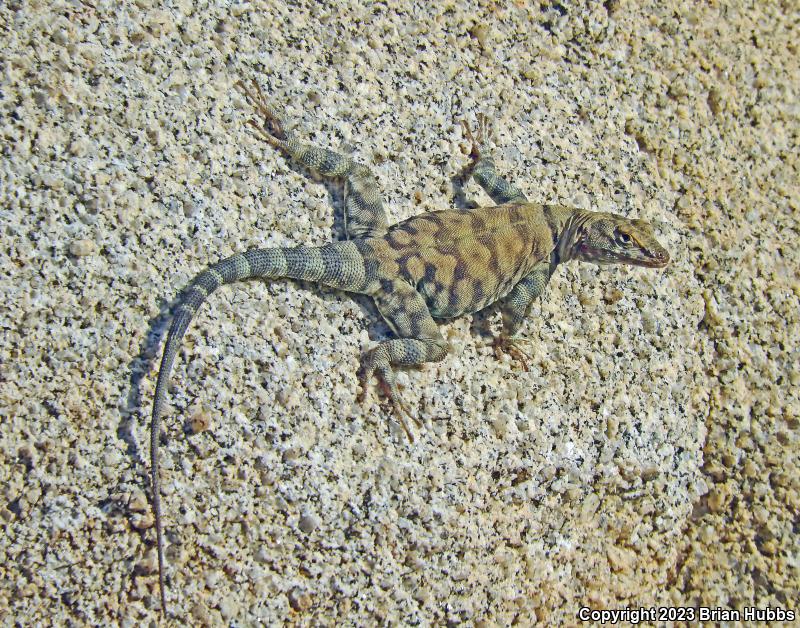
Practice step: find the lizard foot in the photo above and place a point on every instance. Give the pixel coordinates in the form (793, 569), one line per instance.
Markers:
(478, 140)
(506, 344)
(272, 129)
(389, 388)
(400, 409)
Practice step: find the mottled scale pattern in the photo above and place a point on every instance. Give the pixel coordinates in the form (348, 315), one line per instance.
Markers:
(462, 260)
(364, 214)
(500, 190)
(338, 264)
(516, 305)
(483, 168)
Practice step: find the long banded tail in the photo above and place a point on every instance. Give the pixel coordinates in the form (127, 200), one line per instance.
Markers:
(338, 265)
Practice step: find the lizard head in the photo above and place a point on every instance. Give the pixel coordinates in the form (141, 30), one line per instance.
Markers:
(605, 238)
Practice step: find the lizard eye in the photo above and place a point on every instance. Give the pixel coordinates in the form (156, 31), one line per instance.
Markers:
(623, 237)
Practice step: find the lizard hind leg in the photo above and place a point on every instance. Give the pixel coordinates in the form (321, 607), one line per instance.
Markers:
(364, 215)
(483, 168)
(419, 341)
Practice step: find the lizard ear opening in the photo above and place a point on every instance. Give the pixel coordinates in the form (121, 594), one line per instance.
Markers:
(579, 238)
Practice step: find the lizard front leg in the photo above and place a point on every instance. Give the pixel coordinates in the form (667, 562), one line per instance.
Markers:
(364, 215)
(515, 308)
(419, 341)
(483, 168)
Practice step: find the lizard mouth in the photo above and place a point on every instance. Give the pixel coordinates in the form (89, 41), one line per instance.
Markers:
(656, 260)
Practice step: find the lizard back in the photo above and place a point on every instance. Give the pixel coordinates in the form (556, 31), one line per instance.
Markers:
(460, 261)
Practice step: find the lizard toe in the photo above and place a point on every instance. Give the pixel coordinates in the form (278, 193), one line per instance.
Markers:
(511, 346)
(272, 130)
(475, 144)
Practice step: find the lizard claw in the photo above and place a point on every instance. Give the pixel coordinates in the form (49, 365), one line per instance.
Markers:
(389, 389)
(272, 129)
(477, 140)
(400, 408)
(509, 345)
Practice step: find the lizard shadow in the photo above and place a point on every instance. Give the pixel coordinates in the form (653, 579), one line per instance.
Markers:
(459, 183)
(336, 198)
(137, 369)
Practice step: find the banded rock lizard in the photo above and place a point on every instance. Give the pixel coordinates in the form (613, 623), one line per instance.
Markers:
(441, 264)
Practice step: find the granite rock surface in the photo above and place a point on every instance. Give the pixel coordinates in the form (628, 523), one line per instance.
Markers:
(648, 457)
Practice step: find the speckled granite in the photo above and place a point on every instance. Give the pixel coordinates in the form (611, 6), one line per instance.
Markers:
(648, 457)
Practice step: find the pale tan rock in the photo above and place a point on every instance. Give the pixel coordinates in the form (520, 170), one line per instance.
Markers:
(659, 417)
